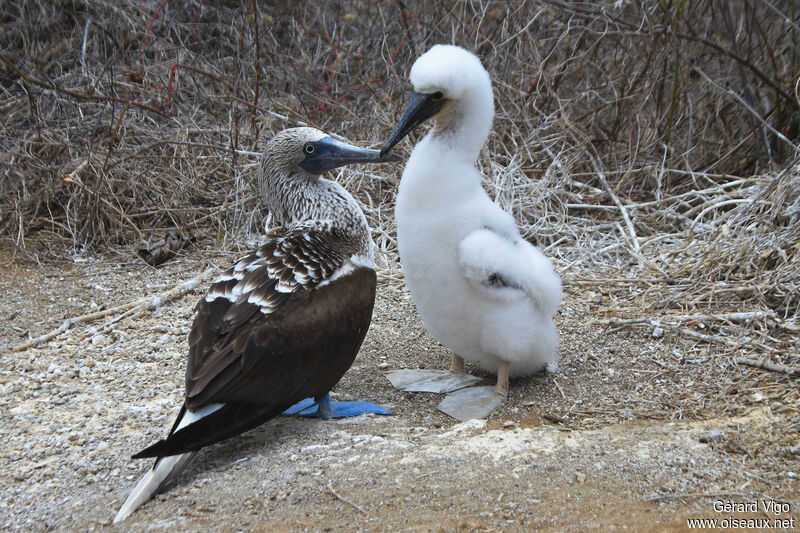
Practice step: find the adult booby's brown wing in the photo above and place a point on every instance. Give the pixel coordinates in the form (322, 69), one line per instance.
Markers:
(282, 325)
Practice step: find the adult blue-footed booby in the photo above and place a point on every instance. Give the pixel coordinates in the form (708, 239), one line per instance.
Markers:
(480, 288)
(285, 322)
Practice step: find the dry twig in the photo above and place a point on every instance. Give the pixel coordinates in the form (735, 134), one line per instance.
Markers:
(772, 367)
(149, 303)
(342, 498)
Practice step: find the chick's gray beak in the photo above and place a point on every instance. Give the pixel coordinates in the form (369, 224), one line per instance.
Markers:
(420, 108)
(328, 153)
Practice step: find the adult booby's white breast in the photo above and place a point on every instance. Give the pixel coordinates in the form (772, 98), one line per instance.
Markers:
(285, 322)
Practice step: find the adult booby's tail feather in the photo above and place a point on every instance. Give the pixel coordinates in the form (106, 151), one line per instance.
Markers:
(163, 472)
(211, 424)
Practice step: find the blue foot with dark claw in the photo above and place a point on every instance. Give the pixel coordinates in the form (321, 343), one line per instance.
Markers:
(328, 409)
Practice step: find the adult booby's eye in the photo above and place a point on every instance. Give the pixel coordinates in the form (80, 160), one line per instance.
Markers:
(438, 96)
(309, 148)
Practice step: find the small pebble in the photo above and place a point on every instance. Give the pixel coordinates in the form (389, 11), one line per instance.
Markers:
(713, 435)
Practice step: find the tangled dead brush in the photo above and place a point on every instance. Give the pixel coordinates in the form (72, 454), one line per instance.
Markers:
(752, 253)
(739, 274)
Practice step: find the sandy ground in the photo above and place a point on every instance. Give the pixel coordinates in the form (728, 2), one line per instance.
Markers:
(634, 432)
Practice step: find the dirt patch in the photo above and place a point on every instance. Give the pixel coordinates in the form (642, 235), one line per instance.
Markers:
(634, 431)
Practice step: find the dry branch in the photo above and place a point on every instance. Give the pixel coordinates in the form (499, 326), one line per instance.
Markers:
(711, 339)
(749, 109)
(772, 367)
(634, 240)
(76, 94)
(694, 496)
(744, 316)
(149, 303)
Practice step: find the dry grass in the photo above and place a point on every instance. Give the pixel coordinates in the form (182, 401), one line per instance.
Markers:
(651, 143)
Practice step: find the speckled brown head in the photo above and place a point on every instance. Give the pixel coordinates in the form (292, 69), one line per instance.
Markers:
(290, 182)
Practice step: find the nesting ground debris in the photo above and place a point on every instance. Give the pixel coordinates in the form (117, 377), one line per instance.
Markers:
(634, 429)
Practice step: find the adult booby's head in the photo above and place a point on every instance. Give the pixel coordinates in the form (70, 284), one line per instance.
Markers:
(290, 182)
(310, 152)
(451, 85)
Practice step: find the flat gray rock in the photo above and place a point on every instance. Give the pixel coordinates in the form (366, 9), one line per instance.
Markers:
(440, 381)
(471, 403)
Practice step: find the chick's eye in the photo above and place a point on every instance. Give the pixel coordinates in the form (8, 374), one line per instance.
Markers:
(438, 96)
(309, 148)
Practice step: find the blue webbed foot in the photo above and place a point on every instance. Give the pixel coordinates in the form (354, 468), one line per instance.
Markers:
(329, 409)
(302, 405)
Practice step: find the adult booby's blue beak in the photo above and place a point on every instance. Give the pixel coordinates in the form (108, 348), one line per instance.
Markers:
(328, 153)
(421, 107)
